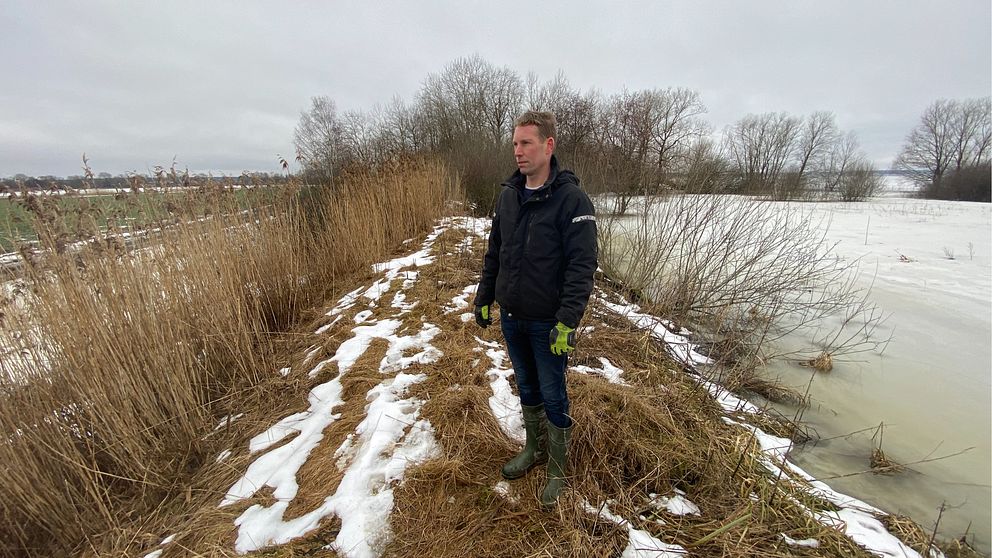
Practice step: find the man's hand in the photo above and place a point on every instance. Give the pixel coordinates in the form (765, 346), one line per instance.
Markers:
(482, 316)
(562, 339)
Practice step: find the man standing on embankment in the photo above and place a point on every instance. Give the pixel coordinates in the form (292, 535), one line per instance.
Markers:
(539, 267)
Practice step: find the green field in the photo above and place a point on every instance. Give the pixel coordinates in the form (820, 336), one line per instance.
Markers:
(106, 210)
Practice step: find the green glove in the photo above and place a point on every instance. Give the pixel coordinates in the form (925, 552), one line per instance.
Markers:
(562, 339)
(482, 316)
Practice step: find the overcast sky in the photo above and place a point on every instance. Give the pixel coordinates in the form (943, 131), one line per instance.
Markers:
(220, 85)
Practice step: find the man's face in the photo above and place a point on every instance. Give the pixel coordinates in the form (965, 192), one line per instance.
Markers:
(532, 154)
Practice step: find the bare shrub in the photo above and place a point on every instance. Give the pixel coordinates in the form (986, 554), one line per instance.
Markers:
(951, 135)
(743, 272)
(118, 361)
(970, 183)
(859, 182)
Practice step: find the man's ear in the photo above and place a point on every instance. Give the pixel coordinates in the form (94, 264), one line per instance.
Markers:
(551, 145)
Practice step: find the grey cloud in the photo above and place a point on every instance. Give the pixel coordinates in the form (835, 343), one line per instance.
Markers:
(222, 84)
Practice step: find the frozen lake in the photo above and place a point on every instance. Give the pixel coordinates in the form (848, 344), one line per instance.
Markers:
(930, 267)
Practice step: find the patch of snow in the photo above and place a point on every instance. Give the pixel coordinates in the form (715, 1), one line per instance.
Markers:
(478, 226)
(399, 301)
(352, 349)
(609, 371)
(419, 258)
(380, 287)
(503, 489)
(503, 403)
(675, 505)
(362, 316)
(730, 402)
(278, 467)
(483, 342)
(809, 543)
(346, 302)
(345, 452)
(678, 345)
(227, 420)
(398, 345)
(460, 301)
(467, 317)
(285, 371)
(168, 540)
(223, 455)
(326, 327)
(154, 554)
(641, 544)
(409, 278)
(364, 497)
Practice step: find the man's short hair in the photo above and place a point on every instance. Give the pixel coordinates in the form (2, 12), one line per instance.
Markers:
(545, 122)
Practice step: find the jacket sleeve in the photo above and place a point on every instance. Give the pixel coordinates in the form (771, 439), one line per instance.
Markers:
(579, 240)
(486, 293)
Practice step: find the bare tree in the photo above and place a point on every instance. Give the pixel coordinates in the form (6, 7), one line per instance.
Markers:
(404, 128)
(645, 136)
(676, 126)
(705, 168)
(819, 135)
(471, 98)
(362, 138)
(467, 112)
(973, 130)
(760, 147)
(576, 113)
(951, 135)
(317, 140)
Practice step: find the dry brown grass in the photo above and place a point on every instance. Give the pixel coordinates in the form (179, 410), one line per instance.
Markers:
(881, 465)
(661, 432)
(133, 355)
(822, 363)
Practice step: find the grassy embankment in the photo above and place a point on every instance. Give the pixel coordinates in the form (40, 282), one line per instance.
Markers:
(661, 432)
(117, 362)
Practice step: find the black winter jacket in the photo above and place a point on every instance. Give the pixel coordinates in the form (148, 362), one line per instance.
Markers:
(542, 253)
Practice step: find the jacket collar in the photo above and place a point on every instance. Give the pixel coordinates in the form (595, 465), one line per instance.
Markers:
(519, 181)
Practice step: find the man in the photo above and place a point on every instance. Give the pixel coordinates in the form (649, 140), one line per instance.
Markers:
(539, 267)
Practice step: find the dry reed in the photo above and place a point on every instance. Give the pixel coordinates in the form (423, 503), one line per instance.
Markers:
(127, 349)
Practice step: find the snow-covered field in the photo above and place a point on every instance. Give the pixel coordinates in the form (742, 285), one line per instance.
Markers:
(930, 267)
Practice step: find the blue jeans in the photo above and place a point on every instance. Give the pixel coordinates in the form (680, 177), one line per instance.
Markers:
(540, 374)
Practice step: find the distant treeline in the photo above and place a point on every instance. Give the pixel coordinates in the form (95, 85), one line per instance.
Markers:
(628, 143)
(127, 181)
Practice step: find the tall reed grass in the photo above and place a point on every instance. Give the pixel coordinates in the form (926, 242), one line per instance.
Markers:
(120, 349)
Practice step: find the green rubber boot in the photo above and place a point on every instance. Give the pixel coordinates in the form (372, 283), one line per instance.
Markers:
(535, 449)
(557, 463)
